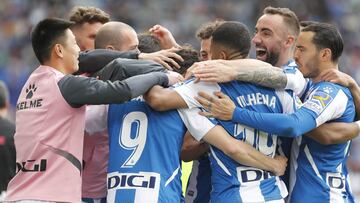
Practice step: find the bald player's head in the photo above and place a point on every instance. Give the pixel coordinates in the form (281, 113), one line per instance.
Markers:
(117, 36)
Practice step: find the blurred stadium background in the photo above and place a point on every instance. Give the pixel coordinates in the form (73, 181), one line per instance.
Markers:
(182, 18)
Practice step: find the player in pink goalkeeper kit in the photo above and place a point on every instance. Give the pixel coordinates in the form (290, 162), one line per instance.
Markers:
(50, 116)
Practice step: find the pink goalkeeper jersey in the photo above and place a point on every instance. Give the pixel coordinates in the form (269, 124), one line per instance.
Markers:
(49, 142)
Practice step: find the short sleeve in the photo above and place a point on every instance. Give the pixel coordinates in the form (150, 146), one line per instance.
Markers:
(327, 102)
(189, 90)
(295, 80)
(197, 125)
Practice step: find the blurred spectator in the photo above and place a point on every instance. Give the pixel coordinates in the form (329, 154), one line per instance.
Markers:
(7, 148)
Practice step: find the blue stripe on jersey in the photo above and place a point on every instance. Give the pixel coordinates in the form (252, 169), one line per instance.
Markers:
(268, 191)
(144, 153)
(246, 183)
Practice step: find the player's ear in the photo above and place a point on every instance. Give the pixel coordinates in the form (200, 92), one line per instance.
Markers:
(325, 54)
(290, 40)
(58, 50)
(110, 47)
(223, 55)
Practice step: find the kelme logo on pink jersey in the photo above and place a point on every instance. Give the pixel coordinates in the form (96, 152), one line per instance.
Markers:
(27, 104)
(30, 91)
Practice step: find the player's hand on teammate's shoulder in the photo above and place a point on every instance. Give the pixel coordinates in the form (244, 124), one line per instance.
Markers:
(336, 76)
(282, 163)
(219, 105)
(163, 57)
(212, 71)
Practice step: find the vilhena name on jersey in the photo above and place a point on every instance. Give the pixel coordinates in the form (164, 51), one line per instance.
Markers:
(256, 99)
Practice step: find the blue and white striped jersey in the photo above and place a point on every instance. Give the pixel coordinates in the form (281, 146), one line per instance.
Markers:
(233, 182)
(199, 183)
(144, 155)
(325, 165)
(299, 85)
(321, 172)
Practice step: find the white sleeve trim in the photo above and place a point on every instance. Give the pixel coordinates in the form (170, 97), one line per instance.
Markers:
(189, 90)
(296, 82)
(197, 125)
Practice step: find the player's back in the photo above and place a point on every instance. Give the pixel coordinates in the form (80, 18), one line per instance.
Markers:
(144, 163)
(48, 142)
(240, 183)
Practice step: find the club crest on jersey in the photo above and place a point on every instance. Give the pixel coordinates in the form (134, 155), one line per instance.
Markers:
(318, 101)
(328, 90)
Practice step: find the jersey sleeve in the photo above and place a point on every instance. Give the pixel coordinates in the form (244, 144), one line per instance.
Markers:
(96, 119)
(78, 91)
(120, 69)
(327, 102)
(286, 125)
(197, 125)
(94, 60)
(324, 104)
(189, 91)
(295, 80)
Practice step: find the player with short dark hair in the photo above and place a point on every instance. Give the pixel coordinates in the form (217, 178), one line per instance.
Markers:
(148, 43)
(204, 34)
(230, 38)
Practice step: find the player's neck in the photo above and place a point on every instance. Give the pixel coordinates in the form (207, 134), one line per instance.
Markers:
(56, 65)
(284, 59)
(324, 67)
